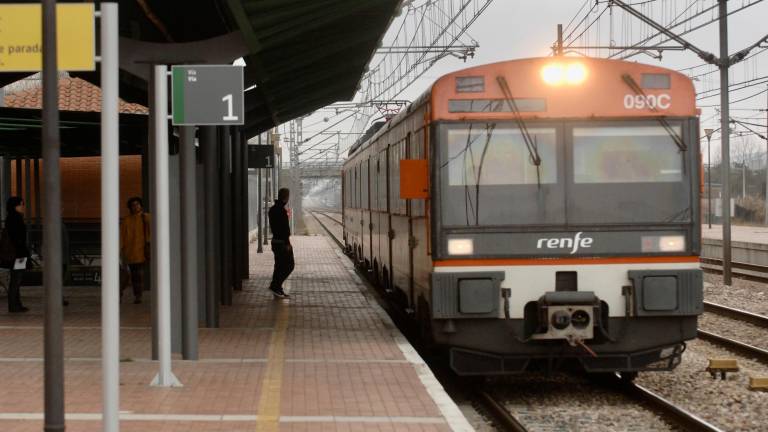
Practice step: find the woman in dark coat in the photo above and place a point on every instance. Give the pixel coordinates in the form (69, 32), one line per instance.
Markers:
(16, 230)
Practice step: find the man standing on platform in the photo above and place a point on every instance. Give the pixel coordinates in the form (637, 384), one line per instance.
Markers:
(281, 244)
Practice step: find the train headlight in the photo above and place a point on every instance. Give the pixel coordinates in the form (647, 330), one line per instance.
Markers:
(556, 74)
(460, 246)
(673, 243)
(575, 73)
(553, 74)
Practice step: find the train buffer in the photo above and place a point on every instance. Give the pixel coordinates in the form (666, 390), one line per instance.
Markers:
(722, 366)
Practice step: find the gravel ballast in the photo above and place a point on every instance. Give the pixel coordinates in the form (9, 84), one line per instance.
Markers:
(571, 403)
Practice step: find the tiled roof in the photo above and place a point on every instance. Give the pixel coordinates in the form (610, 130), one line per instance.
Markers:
(75, 94)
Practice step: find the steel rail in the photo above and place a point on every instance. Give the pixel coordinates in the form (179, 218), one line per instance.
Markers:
(502, 416)
(738, 314)
(714, 265)
(688, 420)
(740, 347)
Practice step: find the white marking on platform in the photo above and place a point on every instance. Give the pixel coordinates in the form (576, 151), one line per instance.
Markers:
(451, 413)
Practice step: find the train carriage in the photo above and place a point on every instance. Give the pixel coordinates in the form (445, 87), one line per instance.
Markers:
(536, 211)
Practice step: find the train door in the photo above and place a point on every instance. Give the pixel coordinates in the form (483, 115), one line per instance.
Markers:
(387, 228)
(411, 239)
(400, 233)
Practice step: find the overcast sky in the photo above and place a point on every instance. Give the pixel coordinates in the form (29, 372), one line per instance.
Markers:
(511, 29)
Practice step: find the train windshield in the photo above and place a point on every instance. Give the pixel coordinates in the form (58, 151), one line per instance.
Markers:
(591, 173)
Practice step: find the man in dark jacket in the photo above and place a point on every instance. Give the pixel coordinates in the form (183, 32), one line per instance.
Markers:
(281, 243)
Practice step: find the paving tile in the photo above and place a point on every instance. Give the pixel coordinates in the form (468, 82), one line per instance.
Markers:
(338, 359)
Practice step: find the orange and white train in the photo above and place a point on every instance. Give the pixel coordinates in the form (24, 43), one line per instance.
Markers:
(538, 213)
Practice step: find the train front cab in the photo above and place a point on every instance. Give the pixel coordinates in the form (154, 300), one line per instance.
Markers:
(605, 284)
(589, 257)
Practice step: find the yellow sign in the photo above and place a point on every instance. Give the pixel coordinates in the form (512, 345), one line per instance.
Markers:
(21, 37)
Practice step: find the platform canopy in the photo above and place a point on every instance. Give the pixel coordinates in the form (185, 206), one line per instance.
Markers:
(300, 54)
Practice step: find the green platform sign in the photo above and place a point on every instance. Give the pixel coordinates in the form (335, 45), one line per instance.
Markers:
(207, 95)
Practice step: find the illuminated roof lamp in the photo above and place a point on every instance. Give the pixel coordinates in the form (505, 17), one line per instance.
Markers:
(553, 74)
(575, 73)
(556, 74)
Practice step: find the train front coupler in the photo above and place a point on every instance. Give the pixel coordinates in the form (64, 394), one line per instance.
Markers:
(572, 316)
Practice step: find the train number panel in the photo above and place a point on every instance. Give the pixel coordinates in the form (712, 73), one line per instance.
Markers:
(538, 213)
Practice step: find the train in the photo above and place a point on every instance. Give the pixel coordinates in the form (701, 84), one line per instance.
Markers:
(537, 213)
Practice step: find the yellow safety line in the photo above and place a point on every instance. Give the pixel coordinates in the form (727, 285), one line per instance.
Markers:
(268, 414)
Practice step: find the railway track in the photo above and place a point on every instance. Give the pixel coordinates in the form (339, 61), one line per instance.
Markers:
(732, 344)
(502, 417)
(753, 272)
(673, 414)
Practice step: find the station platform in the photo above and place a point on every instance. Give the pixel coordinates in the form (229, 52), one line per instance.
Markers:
(749, 244)
(327, 359)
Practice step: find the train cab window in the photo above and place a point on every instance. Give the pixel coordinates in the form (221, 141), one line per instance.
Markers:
(488, 178)
(632, 154)
(629, 173)
(495, 155)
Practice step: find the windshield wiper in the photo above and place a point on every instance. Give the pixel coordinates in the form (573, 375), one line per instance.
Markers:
(630, 82)
(489, 127)
(530, 144)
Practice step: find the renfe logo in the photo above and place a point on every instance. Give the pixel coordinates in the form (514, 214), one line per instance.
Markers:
(566, 243)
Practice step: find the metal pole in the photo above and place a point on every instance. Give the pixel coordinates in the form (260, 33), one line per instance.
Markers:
(187, 162)
(110, 215)
(225, 208)
(237, 208)
(260, 233)
(559, 40)
(725, 141)
(28, 187)
(744, 179)
(709, 181)
(53, 319)
(208, 141)
(765, 220)
(266, 202)
(161, 236)
(38, 215)
(19, 179)
(244, 227)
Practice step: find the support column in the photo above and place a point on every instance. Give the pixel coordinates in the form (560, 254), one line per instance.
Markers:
(150, 205)
(110, 215)
(53, 329)
(28, 188)
(18, 192)
(5, 179)
(187, 165)
(237, 210)
(208, 144)
(225, 175)
(244, 227)
(38, 214)
(161, 235)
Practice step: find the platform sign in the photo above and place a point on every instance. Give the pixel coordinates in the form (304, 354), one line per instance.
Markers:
(207, 95)
(21, 37)
(261, 156)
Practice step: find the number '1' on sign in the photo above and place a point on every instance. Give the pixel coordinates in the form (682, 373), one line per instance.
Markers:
(207, 95)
